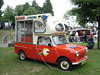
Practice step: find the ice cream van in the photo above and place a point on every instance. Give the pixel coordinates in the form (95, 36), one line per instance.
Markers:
(42, 37)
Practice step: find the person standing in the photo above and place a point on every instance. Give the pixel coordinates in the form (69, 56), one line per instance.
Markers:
(90, 41)
(76, 37)
(5, 39)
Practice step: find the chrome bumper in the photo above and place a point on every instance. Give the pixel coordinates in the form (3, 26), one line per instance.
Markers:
(79, 62)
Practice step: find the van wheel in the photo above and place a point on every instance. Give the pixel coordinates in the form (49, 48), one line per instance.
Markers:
(22, 55)
(65, 64)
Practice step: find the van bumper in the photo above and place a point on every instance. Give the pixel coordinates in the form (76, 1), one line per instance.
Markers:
(80, 61)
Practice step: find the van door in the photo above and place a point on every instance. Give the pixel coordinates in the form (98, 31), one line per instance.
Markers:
(45, 52)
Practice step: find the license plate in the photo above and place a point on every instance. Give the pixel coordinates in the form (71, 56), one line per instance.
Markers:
(83, 62)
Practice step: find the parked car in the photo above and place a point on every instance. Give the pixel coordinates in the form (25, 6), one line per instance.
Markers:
(80, 34)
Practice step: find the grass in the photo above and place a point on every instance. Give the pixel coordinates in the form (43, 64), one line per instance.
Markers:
(11, 65)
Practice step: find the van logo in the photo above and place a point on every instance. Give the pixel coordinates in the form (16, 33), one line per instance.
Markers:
(73, 47)
(45, 52)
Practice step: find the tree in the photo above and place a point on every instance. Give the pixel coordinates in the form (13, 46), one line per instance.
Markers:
(30, 11)
(34, 4)
(87, 11)
(25, 6)
(37, 7)
(67, 15)
(1, 3)
(47, 7)
(1, 12)
(8, 15)
(19, 10)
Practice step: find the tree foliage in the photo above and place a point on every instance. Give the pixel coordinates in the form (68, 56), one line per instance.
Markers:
(34, 4)
(37, 7)
(1, 3)
(30, 11)
(19, 10)
(47, 7)
(25, 9)
(25, 6)
(87, 11)
(8, 15)
(0, 15)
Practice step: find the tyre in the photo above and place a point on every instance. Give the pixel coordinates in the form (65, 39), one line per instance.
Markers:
(90, 45)
(22, 55)
(65, 64)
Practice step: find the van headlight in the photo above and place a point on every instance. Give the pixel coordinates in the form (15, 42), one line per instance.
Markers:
(86, 49)
(77, 53)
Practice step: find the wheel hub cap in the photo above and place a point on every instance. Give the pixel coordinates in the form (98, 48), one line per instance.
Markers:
(64, 65)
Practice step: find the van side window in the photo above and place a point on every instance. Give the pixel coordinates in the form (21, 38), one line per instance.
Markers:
(20, 31)
(28, 32)
(43, 41)
(39, 27)
(24, 31)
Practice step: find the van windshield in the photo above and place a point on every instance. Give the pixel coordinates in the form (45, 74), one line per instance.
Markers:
(59, 39)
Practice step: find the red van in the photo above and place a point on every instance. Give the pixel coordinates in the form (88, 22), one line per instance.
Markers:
(42, 38)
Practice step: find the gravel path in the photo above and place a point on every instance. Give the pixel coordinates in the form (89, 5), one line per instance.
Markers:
(9, 44)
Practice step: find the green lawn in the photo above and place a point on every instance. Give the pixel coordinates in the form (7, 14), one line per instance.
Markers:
(11, 65)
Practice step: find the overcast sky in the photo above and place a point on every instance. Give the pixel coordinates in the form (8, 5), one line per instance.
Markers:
(59, 6)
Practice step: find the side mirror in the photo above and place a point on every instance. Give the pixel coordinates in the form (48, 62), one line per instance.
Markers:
(50, 45)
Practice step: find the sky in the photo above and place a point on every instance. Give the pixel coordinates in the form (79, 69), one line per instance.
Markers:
(59, 6)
